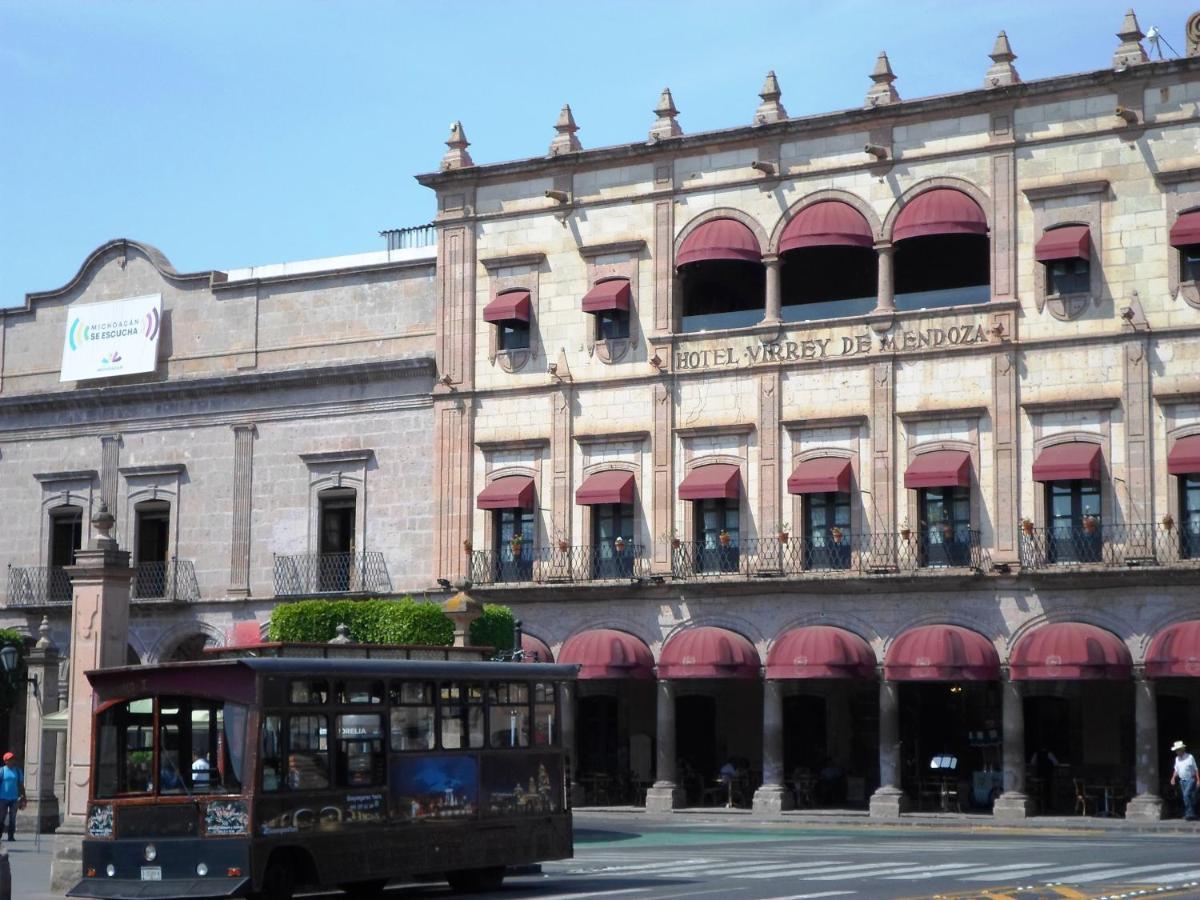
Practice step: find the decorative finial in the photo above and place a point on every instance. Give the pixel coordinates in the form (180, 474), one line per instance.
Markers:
(457, 156)
(43, 641)
(770, 110)
(1130, 51)
(103, 521)
(343, 635)
(1001, 72)
(565, 141)
(665, 126)
(881, 92)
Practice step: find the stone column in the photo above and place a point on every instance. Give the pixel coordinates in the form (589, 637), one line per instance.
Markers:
(772, 797)
(99, 637)
(40, 745)
(567, 712)
(774, 290)
(1147, 805)
(665, 794)
(1013, 803)
(885, 291)
(888, 801)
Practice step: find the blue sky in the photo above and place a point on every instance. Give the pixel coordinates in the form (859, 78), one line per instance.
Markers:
(239, 133)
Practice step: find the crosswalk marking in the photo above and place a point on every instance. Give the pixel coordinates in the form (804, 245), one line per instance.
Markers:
(1182, 875)
(922, 869)
(1111, 874)
(813, 896)
(749, 866)
(647, 867)
(1024, 869)
(860, 870)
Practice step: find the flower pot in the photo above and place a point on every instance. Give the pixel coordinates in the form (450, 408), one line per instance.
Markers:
(1089, 525)
(1027, 527)
(1168, 523)
(724, 539)
(783, 537)
(675, 543)
(563, 546)
(467, 548)
(837, 535)
(905, 532)
(619, 544)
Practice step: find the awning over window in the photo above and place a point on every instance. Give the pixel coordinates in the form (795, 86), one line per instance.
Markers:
(939, 211)
(708, 652)
(822, 475)
(1186, 230)
(720, 239)
(1175, 651)
(1184, 458)
(829, 223)
(1067, 242)
(607, 653)
(511, 306)
(1074, 460)
(939, 468)
(511, 492)
(719, 480)
(535, 650)
(613, 486)
(941, 653)
(820, 651)
(607, 295)
(1070, 650)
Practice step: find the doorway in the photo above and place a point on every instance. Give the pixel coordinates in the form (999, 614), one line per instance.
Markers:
(152, 527)
(337, 514)
(66, 537)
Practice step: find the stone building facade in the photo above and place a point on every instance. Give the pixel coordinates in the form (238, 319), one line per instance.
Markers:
(830, 445)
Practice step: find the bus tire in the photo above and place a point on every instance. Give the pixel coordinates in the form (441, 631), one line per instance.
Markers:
(476, 881)
(367, 890)
(279, 881)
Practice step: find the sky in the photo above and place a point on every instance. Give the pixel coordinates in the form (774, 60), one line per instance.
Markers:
(242, 133)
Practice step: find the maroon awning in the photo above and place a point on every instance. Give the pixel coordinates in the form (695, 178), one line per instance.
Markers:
(1074, 651)
(613, 486)
(1184, 458)
(511, 306)
(941, 653)
(607, 295)
(829, 223)
(720, 239)
(510, 492)
(1074, 460)
(939, 211)
(607, 653)
(535, 650)
(708, 652)
(719, 480)
(939, 468)
(1067, 242)
(1175, 651)
(1186, 230)
(820, 651)
(245, 634)
(822, 475)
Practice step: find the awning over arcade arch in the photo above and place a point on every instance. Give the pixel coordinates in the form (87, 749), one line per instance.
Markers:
(1070, 651)
(607, 653)
(708, 652)
(1175, 651)
(939, 211)
(829, 223)
(941, 653)
(535, 649)
(726, 239)
(820, 651)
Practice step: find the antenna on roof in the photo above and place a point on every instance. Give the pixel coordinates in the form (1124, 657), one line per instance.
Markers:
(1156, 39)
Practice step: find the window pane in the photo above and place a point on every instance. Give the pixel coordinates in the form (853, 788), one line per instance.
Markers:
(544, 718)
(309, 691)
(418, 692)
(308, 752)
(360, 750)
(272, 753)
(360, 692)
(124, 749)
(461, 712)
(412, 728)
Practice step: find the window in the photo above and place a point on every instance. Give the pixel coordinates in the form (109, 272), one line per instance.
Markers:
(945, 525)
(460, 710)
(1189, 262)
(544, 709)
(360, 691)
(200, 746)
(308, 691)
(942, 270)
(125, 749)
(508, 714)
(360, 758)
(827, 530)
(512, 335)
(722, 294)
(717, 530)
(514, 558)
(609, 522)
(1189, 515)
(152, 520)
(1073, 516)
(612, 324)
(336, 522)
(828, 282)
(66, 534)
(271, 753)
(308, 753)
(1068, 276)
(412, 716)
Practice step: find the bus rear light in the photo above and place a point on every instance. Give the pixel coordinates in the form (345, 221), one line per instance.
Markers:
(233, 872)
(91, 871)
(110, 870)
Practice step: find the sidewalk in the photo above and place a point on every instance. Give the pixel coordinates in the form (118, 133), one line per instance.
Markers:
(31, 868)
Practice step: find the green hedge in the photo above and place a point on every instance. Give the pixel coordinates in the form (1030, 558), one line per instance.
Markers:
(370, 621)
(494, 628)
(10, 687)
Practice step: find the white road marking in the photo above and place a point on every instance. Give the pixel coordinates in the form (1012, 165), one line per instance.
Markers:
(1108, 874)
(1040, 869)
(728, 869)
(1182, 875)
(646, 867)
(863, 870)
(585, 894)
(813, 896)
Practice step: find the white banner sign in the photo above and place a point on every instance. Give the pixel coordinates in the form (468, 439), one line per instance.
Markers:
(115, 338)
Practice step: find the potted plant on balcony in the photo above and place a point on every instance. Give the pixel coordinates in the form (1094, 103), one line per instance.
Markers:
(836, 533)
(1027, 527)
(467, 545)
(905, 531)
(561, 542)
(1168, 523)
(724, 538)
(1090, 523)
(781, 532)
(670, 537)
(515, 543)
(947, 531)
(619, 544)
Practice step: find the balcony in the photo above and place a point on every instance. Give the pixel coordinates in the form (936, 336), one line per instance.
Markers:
(560, 564)
(169, 580)
(1103, 546)
(307, 574)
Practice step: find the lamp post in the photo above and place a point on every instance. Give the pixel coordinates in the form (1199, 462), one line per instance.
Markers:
(9, 658)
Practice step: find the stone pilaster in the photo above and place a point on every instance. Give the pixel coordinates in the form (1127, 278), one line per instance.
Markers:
(39, 759)
(110, 464)
(664, 264)
(1147, 804)
(1004, 225)
(883, 409)
(772, 797)
(768, 454)
(888, 801)
(664, 485)
(243, 504)
(1005, 456)
(1137, 405)
(665, 794)
(562, 501)
(1013, 803)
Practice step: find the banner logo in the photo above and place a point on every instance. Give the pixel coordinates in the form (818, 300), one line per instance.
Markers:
(114, 338)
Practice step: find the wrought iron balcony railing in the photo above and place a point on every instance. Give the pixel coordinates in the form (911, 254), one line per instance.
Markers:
(558, 564)
(169, 580)
(1100, 545)
(331, 573)
(38, 586)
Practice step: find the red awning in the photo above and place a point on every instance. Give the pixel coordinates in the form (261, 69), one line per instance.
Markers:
(939, 211)
(720, 239)
(820, 651)
(510, 492)
(939, 468)
(829, 223)
(1186, 230)
(607, 295)
(1070, 650)
(941, 653)
(1067, 242)
(1184, 458)
(713, 481)
(535, 649)
(607, 653)
(613, 486)
(822, 475)
(708, 652)
(1175, 651)
(1074, 460)
(245, 634)
(511, 306)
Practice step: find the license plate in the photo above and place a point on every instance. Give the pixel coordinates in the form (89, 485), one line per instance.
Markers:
(151, 873)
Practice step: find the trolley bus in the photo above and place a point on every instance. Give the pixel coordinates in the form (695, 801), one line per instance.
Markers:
(255, 776)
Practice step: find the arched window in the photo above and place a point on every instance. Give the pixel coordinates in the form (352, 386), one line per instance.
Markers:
(829, 265)
(721, 277)
(943, 256)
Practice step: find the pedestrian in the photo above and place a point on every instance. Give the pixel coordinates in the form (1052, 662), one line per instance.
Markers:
(1188, 778)
(12, 793)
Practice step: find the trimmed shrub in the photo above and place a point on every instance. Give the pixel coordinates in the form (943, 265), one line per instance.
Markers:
(494, 628)
(370, 621)
(11, 688)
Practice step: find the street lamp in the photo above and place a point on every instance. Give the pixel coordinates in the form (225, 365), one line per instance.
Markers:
(8, 661)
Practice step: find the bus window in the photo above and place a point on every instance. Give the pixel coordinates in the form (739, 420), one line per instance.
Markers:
(508, 714)
(461, 711)
(412, 717)
(125, 749)
(200, 746)
(308, 752)
(360, 691)
(272, 753)
(543, 713)
(359, 750)
(314, 691)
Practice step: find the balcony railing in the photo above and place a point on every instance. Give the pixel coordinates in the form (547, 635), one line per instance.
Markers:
(170, 580)
(38, 586)
(331, 573)
(558, 564)
(1101, 545)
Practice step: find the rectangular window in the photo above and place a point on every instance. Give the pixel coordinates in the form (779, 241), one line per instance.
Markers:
(512, 335)
(1189, 515)
(717, 527)
(1074, 521)
(609, 522)
(412, 716)
(1189, 263)
(460, 712)
(272, 753)
(309, 692)
(514, 559)
(545, 710)
(945, 526)
(827, 530)
(508, 714)
(1068, 276)
(360, 759)
(308, 753)
(360, 691)
(125, 749)
(612, 324)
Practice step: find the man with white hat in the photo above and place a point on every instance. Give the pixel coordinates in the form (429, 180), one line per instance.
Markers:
(1188, 778)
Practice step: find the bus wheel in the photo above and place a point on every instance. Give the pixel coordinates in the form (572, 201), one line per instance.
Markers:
(279, 881)
(367, 890)
(476, 881)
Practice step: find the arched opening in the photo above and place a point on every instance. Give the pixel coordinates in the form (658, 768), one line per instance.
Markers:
(828, 264)
(189, 648)
(943, 255)
(722, 282)
(131, 657)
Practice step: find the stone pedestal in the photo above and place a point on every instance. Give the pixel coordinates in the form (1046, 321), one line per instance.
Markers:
(772, 797)
(665, 794)
(462, 609)
(1147, 805)
(41, 812)
(888, 802)
(1013, 803)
